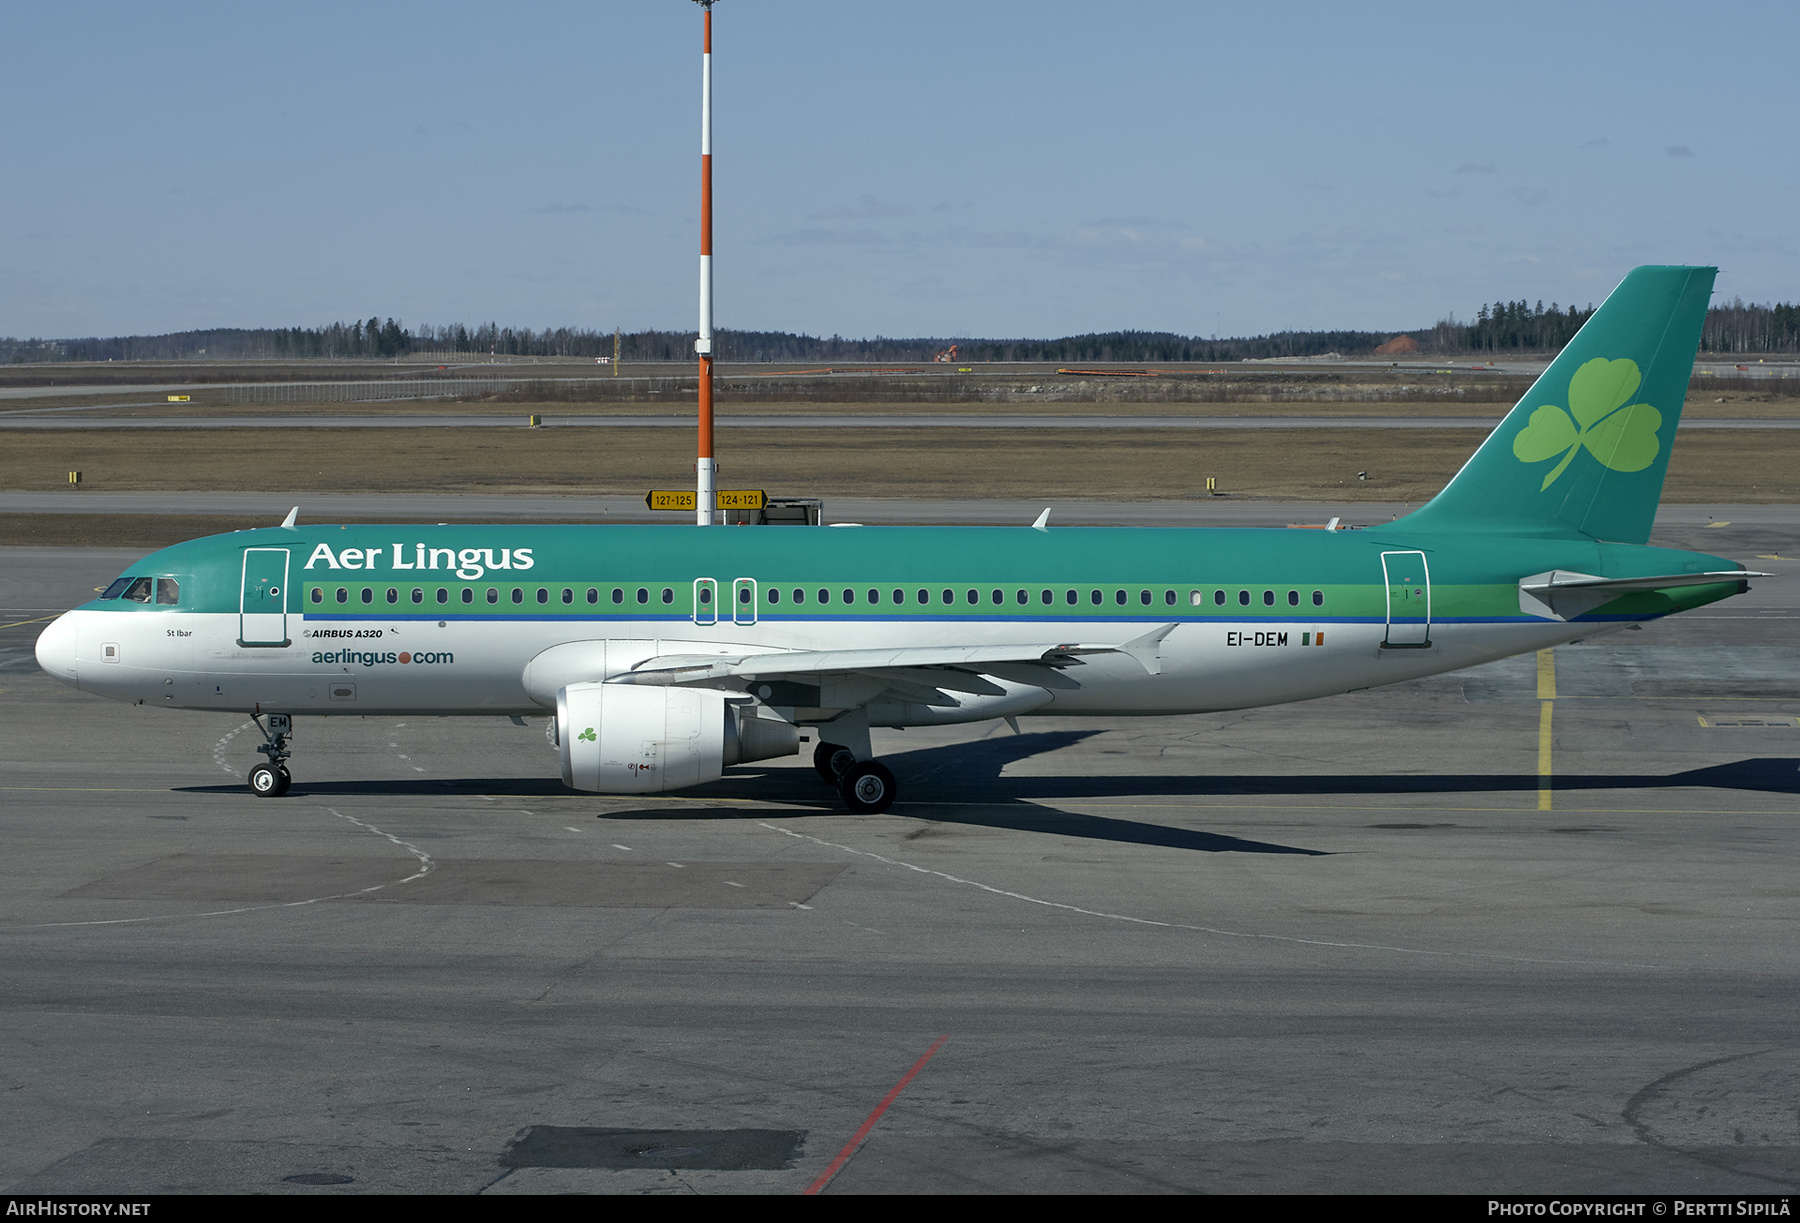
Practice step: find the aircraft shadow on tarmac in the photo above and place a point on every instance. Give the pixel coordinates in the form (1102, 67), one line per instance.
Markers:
(964, 782)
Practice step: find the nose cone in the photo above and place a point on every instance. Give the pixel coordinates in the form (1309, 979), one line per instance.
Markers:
(56, 648)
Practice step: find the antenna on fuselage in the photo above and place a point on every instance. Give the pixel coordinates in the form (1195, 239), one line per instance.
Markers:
(288, 522)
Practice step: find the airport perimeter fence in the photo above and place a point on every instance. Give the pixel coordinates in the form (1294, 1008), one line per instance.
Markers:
(391, 390)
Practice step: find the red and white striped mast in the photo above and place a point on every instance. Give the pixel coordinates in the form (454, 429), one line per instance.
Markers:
(705, 469)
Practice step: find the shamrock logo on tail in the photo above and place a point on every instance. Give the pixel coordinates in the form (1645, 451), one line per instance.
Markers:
(1622, 438)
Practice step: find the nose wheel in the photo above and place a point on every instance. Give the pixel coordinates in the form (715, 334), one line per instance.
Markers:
(271, 779)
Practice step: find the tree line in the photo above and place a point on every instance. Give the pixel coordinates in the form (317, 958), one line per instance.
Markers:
(1516, 326)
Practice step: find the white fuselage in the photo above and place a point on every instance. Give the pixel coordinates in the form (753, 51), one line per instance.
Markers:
(381, 666)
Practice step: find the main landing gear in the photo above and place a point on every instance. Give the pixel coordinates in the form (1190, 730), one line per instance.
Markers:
(866, 786)
(272, 779)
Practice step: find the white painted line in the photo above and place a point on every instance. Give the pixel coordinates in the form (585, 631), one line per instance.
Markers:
(1166, 925)
(425, 867)
(220, 746)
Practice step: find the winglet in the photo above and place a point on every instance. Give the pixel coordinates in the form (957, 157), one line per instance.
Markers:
(288, 522)
(1043, 521)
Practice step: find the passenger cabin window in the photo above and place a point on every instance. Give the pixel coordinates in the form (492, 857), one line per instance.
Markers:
(368, 595)
(493, 594)
(343, 595)
(443, 595)
(468, 595)
(668, 595)
(569, 595)
(543, 595)
(418, 595)
(1318, 598)
(518, 595)
(168, 592)
(774, 594)
(393, 595)
(318, 595)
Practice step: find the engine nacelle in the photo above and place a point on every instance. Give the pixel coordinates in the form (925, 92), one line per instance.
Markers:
(629, 739)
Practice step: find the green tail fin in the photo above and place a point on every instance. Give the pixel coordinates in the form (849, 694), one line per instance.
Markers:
(1587, 447)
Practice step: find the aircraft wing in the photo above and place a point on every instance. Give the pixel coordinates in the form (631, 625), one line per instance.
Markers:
(1563, 595)
(943, 666)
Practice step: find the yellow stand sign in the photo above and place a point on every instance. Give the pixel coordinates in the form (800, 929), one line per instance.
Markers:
(728, 499)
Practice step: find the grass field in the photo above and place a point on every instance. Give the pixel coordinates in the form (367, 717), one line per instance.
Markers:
(1745, 465)
(1122, 464)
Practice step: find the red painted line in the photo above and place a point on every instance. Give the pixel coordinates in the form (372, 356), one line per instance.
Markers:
(856, 1139)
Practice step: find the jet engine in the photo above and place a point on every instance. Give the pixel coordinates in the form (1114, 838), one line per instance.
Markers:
(628, 739)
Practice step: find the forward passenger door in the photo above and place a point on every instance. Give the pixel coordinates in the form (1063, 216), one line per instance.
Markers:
(262, 612)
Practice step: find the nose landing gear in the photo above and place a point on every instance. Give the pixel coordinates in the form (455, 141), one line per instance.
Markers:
(272, 779)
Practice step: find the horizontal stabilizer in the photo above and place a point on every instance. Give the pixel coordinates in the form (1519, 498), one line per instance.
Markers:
(1563, 595)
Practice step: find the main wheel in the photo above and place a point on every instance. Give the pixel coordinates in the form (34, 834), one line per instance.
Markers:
(867, 787)
(265, 781)
(830, 760)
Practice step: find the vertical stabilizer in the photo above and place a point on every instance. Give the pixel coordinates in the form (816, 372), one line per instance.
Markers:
(1586, 449)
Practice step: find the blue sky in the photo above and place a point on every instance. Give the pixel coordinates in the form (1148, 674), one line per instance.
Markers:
(901, 169)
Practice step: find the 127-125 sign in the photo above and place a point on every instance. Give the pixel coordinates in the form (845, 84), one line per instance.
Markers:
(728, 499)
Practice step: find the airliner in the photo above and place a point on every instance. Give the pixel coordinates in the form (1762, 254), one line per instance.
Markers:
(662, 656)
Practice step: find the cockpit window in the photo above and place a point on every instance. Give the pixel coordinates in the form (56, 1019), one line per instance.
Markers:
(138, 591)
(168, 592)
(117, 588)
